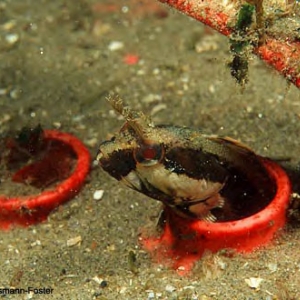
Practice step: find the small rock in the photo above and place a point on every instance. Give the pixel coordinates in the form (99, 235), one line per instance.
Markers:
(206, 44)
(3, 92)
(100, 29)
(151, 295)
(169, 288)
(98, 194)
(254, 282)
(12, 38)
(15, 93)
(92, 142)
(272, 267)
(157, 108)
(150, 98)
(9, 25)
(103, 284)
(74, 241)
(97, 279)
(36, 243)
(122, 290)
(115, 45)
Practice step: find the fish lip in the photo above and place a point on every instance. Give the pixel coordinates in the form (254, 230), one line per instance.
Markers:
(99, 156)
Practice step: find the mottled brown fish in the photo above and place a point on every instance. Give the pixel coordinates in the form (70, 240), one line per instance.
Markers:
(199, 176)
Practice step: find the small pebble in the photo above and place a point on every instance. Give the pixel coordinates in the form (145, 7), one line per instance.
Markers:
(150, 98)
(100, 29)
(12, 38)
(36, 243)
(253, 282)
(15, 93)
(97, 279)
(125, 9)
(272, 267)
(92, 142)
(74, 241)
(151, 296)
(115, 45)
(103, 284)
(3, 92)
(57, 125)
(212, 89)
(9, 25)
(207, 44)
(169, 288)
(157, 108)
(98, 194)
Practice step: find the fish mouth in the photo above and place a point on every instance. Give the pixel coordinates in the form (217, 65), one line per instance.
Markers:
(99, 156)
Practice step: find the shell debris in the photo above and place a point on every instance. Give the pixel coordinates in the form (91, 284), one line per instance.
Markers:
(254, 282)
(98, 194)
(115, 45)
(74, 241)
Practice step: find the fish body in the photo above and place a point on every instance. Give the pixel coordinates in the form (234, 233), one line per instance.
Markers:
(197, 175)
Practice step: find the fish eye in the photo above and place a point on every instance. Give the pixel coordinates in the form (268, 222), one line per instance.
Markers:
(149, 154)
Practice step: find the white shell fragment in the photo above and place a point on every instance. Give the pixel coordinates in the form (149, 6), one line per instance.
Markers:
(170, 289)
(97, 279)
(98, 194)
(272, 267)
(74, 241)
(115, 45)
(157, 108)
(254, 282)
(208, 43)
(151, 295)
(12, 38)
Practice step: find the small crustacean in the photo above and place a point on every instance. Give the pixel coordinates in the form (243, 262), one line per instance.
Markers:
(199, 176)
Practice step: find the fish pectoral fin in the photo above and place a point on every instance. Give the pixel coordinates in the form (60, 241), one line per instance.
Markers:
(221, 202)
(202, 208)
(215, 200)
(210, 218)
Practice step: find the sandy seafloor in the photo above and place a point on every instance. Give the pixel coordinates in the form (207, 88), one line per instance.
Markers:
(59, 60)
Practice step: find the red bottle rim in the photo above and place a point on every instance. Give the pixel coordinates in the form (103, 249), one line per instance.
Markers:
(28, 210)
(183, 241)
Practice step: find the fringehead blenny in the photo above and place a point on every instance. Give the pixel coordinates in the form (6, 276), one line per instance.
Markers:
(199, 176)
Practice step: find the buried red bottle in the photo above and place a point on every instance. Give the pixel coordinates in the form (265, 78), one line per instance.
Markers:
(184, 241)
(31, 209)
